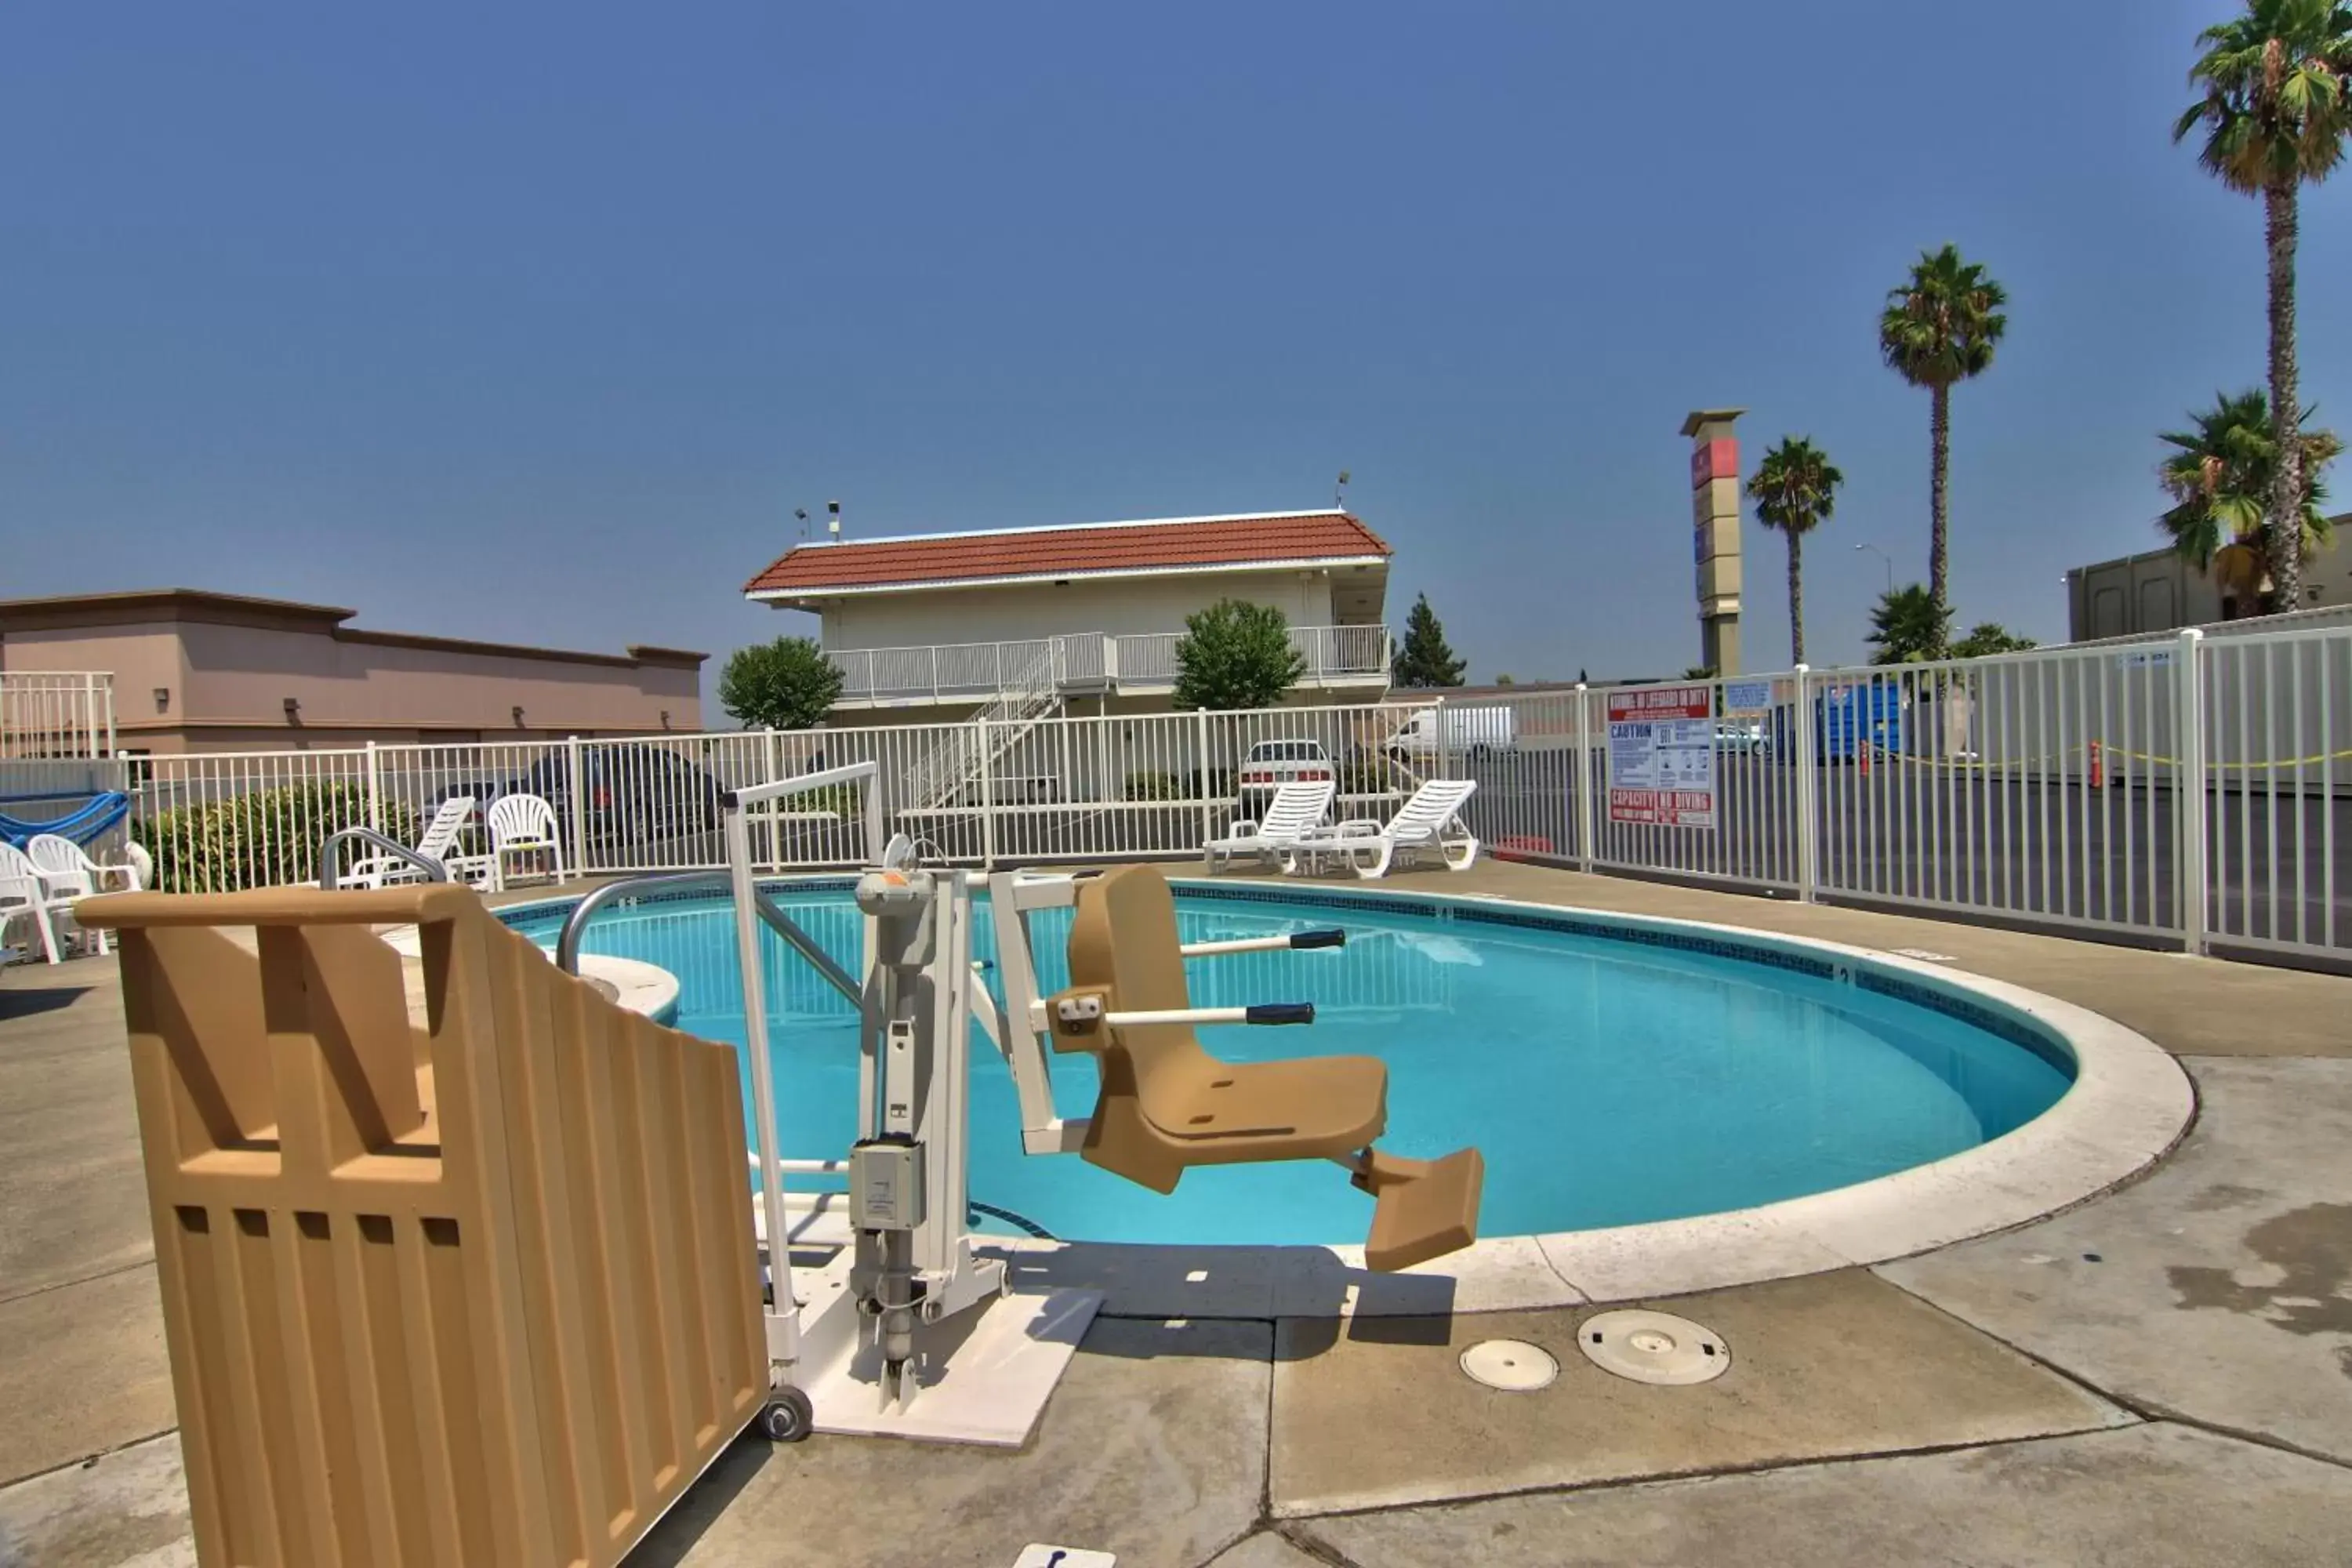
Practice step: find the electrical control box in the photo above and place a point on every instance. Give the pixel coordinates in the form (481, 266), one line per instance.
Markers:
(886, 1185)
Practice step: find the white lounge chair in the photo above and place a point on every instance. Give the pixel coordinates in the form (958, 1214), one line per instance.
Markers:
(1295, 809)
(1428, 824)
(521, 825)
(440, 837)
(25, 889)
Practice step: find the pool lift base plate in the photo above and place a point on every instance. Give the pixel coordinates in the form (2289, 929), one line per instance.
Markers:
(981, 1377)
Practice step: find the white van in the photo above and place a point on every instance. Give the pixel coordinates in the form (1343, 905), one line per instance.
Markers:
(1456, 731)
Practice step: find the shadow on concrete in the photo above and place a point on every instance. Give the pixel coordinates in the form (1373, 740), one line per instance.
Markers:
(1182, 1285)
(26, 1002)
(668, 1542)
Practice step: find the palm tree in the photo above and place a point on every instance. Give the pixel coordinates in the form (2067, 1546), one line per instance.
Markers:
(1939, 328)
(1794, 490)
(2219, 476)
(1907, 626)
(2276, 113)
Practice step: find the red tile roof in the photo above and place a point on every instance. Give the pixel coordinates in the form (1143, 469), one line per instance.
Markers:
(1089, 550)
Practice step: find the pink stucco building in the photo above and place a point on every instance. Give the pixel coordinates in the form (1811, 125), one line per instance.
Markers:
(197, 671)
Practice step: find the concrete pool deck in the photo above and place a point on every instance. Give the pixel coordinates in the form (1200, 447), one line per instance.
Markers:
(2161, 1375)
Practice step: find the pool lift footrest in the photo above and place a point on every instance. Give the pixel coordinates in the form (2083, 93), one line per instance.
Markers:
(1421, 1208)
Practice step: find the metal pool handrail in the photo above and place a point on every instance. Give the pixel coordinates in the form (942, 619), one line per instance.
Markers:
(575, 924)
(434, 870)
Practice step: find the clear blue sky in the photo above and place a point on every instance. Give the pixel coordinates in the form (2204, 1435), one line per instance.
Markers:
(536, 322)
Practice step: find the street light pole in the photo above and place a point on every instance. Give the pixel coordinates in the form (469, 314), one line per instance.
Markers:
(1886, 559)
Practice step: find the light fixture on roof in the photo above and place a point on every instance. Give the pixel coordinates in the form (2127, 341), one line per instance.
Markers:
(1339, 491)
(801, 513)
(833, 520)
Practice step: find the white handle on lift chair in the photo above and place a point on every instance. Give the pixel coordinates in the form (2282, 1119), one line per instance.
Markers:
(1088, 1009)
(1330, 937)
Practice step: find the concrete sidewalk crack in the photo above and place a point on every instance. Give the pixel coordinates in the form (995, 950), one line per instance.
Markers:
(146, 1262)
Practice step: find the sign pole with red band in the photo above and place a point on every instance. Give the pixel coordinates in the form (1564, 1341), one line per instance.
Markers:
(1715, 534)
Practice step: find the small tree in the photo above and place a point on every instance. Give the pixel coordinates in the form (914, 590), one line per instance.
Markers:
(787, 684)
(1425, 659)
(1909, 626)
(1506, 681)
(1990, 637)
(1235, 655)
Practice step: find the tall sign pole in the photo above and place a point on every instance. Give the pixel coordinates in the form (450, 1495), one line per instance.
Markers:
(1715, 534)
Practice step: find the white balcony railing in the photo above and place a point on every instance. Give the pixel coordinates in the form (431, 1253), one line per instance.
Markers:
(55, 716)
(1082, 661)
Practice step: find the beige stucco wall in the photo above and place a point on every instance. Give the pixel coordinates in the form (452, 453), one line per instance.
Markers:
(2159, 591)
(139, 658)
(1121, 606)
(228, 686)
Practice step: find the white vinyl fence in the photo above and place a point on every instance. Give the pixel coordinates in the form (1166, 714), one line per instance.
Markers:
(2176, 789)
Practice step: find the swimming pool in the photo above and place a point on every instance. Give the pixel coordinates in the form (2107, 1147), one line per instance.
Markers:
(1611, 1075)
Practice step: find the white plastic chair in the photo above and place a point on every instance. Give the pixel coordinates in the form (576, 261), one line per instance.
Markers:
(68, 870)
(69, 874)
(25, 889)
(521, 825)
(1295, 810)
(1425, 824)
(440, 836)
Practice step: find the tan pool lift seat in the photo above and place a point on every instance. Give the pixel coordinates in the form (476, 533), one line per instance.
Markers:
(1166, 1103)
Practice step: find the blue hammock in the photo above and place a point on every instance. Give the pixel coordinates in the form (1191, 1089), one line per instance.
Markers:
(101, 812)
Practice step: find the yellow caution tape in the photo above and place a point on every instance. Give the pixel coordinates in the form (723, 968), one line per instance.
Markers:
(2107, 752)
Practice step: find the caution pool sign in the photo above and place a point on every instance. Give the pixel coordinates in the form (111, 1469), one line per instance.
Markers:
(1662, 756)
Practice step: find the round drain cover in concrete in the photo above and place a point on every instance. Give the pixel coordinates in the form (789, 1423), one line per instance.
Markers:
(1512, 1366)
(1653, 1347)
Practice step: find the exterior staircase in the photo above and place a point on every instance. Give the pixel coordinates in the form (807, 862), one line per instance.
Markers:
(1031, 693)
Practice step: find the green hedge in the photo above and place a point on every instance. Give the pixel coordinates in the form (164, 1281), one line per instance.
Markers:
(1150, 785)
(266, 838)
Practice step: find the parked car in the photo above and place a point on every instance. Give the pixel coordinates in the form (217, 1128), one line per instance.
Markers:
(1272, 764)
(1455, 732)
(1742, 737)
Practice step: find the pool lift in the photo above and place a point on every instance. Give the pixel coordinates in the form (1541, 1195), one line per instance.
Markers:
(910, 1329)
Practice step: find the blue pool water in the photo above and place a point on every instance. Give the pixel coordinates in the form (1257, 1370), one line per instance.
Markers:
(1608, 1083)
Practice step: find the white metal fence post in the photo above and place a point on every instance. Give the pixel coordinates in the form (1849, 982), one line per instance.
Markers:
(1807, 766)
(987, 800)
(375, 788)
(576, 767)
(1437, 717)
(2189, 823)
(1587, 839)
(1201, 771)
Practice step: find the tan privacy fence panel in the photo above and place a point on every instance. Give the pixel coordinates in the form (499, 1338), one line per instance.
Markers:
(482, 1292)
